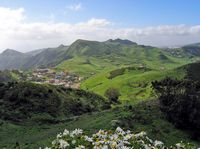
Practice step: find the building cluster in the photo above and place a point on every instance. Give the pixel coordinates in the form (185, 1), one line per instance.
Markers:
(62, 78)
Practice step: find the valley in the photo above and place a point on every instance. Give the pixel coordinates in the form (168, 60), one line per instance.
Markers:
(47, 90)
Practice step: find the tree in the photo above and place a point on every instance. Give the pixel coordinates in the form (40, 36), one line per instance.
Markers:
(112, 94)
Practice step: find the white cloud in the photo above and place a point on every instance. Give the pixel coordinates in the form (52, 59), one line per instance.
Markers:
(18, 34)
(75, 7)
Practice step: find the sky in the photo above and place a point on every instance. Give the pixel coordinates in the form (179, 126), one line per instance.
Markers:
(26, 25)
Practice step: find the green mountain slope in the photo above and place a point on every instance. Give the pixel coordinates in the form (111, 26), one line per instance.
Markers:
(115, 52)
(134, 83)
(47, 58)
(96, 60)
(23, 101)
(11, 59)
(193, 49)
(91, 57)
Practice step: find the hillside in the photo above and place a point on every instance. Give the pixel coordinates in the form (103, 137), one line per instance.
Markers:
(46, 58)
(91, 57)
(193, 49)
(145, 116)
(94, 61)
(11, 59)
(23, 101)
(113, 53)
(134, 83)
(193, 71)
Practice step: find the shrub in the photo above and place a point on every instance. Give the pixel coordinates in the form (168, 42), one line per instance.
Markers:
(112, 94)
(180, 102)
(118, 139)
(116, 73)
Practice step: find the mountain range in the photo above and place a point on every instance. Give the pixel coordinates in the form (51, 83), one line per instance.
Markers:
(126, 51)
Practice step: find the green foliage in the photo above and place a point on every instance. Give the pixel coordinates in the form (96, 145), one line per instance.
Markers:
(113, 95)
(116, 73)
(180, 101)
(193, 71)
(20, 101)
(134, 85)
(145, 116)
(6, 76)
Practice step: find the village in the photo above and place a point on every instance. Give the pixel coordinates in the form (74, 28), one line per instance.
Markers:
(50, 76)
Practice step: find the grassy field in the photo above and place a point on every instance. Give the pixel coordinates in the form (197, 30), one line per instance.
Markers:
(134, 85)
(142, 117)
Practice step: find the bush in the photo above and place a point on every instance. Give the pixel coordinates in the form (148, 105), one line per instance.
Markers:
(116, 73)
(112, 94)
(118, 139)
(180, 102)
(19, 101)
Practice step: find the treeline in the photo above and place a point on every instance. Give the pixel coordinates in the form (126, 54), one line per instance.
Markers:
(21, 101)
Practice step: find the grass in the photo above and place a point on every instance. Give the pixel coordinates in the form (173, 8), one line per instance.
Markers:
(96, 70)
(134, 85)
(142, 117)
(85, 66)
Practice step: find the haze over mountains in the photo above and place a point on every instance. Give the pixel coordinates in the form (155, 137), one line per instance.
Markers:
(50, 57)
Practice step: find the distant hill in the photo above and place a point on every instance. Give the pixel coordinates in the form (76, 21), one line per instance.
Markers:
(44, 103)
(115, 52)
(91, 57)
(11, 59)
(193, 49)
(47, 58)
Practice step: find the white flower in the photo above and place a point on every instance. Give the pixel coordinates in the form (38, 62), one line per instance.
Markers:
(73, 141)
(149, 139)
(63, 144)
(59, 136)
(125, 147)
(80, 147)
(120, 139)
(77, 132)
(88, 139)
(105, 147)
(180, 145)
(119, 130)
(141, 134)
(127, 137)
(54, 142)
(114, 137)
(66, 132)
(158, 143)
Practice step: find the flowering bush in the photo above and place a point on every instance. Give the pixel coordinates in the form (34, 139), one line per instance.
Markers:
(119, 139)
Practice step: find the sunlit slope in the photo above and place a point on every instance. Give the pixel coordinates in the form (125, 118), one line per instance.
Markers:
(134, 84)
(91, 57)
